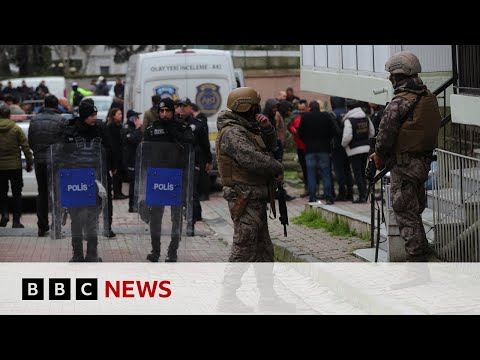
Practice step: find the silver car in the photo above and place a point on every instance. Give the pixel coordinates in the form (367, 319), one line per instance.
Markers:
(102, 103)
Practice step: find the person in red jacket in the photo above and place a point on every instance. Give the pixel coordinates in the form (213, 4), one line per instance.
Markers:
(299, 144)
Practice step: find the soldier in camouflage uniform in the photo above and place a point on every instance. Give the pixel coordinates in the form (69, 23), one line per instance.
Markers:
(406, 138)
(244, 146)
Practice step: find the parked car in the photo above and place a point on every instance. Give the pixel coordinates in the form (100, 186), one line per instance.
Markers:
(103, 104)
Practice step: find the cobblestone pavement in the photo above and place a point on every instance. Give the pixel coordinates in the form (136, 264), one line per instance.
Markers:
(310, 244)
(211, 243)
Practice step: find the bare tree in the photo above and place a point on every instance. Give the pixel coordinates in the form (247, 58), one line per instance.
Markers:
(64, 53)
(7, 54)
(87, 50)
(30, 59)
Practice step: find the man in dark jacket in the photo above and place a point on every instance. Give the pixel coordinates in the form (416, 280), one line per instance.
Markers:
(203, 154)
(316, 131)
(119, 88)
(131, 137)
(45, 129)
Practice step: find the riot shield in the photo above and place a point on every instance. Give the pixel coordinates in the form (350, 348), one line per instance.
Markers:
(78, 198)
(163, 198)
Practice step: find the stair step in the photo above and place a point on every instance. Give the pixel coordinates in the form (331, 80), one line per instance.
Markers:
(476, 153)
(453, 195)
(467, 179)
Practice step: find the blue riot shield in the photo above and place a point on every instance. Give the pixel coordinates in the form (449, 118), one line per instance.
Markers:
(163, 197)
(78, 198)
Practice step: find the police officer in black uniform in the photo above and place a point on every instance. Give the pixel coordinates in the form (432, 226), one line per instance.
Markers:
(131, 137)
(203, 154)
(84, 129)
(167, 128)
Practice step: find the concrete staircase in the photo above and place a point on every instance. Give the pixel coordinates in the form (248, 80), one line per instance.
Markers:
(457, 211)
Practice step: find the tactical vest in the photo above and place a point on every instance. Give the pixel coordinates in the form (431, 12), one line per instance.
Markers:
(419, 132)
(230, 172)
(360, 131)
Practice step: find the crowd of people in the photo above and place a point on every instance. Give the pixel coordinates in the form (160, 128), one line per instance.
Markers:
(118, 138)
(332, 142)
(250, 147)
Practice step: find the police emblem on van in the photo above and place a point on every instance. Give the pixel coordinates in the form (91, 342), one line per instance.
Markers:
(167, 91)
(208, 98)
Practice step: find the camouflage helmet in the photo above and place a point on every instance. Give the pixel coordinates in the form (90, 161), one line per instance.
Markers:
(404, 62)
(242, 99)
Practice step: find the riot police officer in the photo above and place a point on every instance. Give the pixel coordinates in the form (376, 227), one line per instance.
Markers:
(406, 138)
(167, 129)
(84, 131)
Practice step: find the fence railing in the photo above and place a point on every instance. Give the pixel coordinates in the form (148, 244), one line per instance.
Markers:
(455, 200)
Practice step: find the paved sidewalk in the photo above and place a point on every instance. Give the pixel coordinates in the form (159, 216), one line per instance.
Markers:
(211, 243)
(301, 244)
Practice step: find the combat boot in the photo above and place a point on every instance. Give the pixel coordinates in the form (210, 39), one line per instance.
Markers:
(92, 251)
(77, 246)
(172, 250)
(155, 254)
(16, 222)
(4, 221)
(269, 299)
(415, 274)
(229, 302)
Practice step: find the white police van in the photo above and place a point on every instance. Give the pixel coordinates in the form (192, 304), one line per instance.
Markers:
(205, 76)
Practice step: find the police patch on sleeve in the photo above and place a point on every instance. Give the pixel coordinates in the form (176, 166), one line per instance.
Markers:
(208, 98)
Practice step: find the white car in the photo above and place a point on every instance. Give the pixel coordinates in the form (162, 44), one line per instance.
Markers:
(102, 104)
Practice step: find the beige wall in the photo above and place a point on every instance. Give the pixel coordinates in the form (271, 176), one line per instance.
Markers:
(269, 85)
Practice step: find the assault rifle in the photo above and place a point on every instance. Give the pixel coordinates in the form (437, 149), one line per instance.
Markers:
(372, 177)
(282, 207)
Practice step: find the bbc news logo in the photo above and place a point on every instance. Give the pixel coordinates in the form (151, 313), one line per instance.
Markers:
(59, 289)
(87, 289)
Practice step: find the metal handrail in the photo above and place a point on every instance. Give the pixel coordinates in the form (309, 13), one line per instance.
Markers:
(443, 87)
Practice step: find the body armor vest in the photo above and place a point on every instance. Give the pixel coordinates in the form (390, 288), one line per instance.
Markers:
(360, 131)
(420, 130)
(230, 172)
